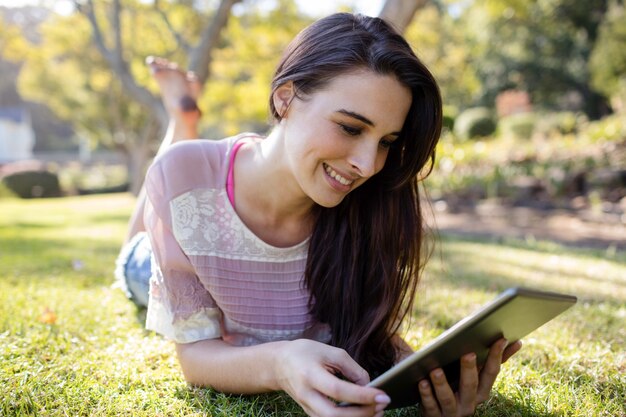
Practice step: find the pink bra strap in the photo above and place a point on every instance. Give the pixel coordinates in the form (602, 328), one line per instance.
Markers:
(230, 180)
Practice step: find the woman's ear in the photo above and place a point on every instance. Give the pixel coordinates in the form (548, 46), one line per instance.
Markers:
(282, 98)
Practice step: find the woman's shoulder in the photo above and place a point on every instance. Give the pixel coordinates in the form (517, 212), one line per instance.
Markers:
(192, 164)
(197, 150)
(215, 152)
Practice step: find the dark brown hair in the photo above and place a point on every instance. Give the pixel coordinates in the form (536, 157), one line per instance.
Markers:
(366, 254)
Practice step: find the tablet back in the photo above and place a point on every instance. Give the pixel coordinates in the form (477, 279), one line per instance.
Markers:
(513, 314)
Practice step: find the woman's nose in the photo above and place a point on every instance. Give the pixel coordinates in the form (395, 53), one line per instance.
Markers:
(363, 159)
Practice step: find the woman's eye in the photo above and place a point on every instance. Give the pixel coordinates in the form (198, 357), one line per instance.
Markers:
(352, 131)
(386, 143)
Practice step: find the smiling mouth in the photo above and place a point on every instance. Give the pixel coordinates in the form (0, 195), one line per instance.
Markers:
(331, 173)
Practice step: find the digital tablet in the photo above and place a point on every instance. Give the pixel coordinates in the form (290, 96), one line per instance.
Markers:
(513, 314)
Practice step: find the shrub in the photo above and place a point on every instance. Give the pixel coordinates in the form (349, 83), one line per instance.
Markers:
(5, 192)
(31, 184)
(609, 129)
(520, 125)
(563, 123)
(449, 115)
(474, 122)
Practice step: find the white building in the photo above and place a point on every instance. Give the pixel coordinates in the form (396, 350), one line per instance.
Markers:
(17, 137)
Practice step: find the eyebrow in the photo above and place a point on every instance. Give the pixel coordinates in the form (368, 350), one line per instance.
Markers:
(362, 119)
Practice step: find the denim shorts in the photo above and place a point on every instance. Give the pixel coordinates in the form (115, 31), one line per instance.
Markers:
(133, 269)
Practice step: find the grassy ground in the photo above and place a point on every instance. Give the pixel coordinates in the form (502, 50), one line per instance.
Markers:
(70, 344)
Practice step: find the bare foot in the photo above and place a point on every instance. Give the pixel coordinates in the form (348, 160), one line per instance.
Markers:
(179, 90)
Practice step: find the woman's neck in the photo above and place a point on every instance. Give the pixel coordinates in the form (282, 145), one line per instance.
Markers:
(269, 200)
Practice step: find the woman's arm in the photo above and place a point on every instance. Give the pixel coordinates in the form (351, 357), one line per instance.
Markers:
(305, 369)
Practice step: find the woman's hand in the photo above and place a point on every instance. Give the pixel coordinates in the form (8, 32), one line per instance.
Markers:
(307, 371)
(475, 384)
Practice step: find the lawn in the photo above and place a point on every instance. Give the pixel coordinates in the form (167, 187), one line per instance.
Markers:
(70, 344)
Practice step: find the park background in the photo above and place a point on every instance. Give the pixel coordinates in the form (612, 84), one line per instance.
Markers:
(529, 187)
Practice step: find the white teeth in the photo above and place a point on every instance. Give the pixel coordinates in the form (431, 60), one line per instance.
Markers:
(336, 176)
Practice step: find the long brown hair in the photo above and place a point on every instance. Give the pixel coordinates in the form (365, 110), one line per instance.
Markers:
(366, 254)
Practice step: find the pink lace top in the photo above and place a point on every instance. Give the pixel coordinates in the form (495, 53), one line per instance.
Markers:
(212, 276)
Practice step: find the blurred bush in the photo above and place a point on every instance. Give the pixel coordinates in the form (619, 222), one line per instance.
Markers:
(5, 192)
(566, 162)
(77, 178)
(33, 184)
(450, 114)
(560, 123)
(609, 129)
(520, 126)
(474, 123)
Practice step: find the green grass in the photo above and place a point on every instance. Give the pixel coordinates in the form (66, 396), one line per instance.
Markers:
(95, 359)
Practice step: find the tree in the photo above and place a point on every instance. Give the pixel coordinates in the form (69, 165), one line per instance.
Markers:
(440, 41)
(608, 59)
(89, 67)
(197, 55)
(542, 47)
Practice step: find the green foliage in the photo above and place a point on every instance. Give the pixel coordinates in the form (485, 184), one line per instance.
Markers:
(450, 113)
(608, 60)
(609, 129)
(541, 46)
(93, 179)
(474, 123)
(32, 184)
(491, 168)
(6, 192)
(66, 73)
(91, 356)
(440, 41)
(236, 97)
(560, 123)
(521, 125)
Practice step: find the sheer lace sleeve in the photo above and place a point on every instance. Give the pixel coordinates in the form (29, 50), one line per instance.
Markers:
(180, 307)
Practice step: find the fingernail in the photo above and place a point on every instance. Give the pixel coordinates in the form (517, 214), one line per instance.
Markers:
(382, 399)
(438, 374)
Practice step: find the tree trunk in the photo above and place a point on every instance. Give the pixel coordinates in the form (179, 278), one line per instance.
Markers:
(399, 13)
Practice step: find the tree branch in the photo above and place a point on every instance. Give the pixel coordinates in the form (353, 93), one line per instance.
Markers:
(200, 55)
(180, 41)
(115, 57)
(88, 11)
(117, 33)
(399, 13)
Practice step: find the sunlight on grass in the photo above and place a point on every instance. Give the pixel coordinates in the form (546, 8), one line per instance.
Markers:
(70, 344)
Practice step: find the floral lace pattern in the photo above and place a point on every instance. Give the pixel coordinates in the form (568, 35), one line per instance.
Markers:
(204, 223)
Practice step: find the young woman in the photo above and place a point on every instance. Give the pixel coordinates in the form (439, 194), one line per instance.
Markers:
(289, 262)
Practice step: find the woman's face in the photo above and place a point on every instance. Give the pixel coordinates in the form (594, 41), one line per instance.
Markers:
(338, 137)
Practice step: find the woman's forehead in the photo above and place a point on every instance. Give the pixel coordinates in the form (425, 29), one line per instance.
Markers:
(382, 99)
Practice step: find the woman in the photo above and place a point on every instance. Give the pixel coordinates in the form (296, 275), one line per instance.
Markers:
(288, 262)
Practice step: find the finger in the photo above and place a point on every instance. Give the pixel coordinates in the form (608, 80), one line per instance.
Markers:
(430, 406)
(345, 391)
(444, 393)
(339, 360)
(511, 350)
(317, 404)
(490, 370)
(468, 385)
